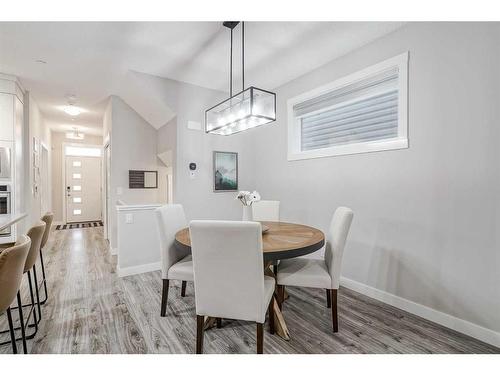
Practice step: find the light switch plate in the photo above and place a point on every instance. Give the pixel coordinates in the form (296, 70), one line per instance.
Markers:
(129, 218)
(194, 125)
(119, 190)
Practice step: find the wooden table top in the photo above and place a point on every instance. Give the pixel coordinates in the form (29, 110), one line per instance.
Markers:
(281, 241)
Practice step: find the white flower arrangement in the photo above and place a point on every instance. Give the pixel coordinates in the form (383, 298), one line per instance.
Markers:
(248, 198)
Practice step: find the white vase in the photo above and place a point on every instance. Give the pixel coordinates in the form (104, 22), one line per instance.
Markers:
(247, 213)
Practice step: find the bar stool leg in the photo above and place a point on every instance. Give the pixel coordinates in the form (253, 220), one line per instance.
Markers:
(44, 280)
(11, 329)
(37, 293)
(30, 284)
(21, 320)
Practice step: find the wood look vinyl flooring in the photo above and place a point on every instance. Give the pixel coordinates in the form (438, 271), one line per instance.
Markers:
(91, 310)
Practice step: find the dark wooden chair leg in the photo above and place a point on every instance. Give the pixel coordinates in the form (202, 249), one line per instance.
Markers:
(271, 316)
(219, 322)
(281, 296)
(21, 321)
(328, 299)
(183, 289)
(335, 317)
(164, 297)
(275, 269)
(200, 323)
(260, 338)
(11, 329)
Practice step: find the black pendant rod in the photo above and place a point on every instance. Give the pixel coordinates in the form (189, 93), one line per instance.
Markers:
(243, 55)
(231, 68)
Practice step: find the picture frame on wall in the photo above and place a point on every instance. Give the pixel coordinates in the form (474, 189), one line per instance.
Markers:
(225, 171)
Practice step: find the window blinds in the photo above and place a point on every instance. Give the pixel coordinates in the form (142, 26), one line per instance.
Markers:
(362, 111)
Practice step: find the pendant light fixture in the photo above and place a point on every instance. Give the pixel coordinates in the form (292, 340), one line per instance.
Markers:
(247, 109)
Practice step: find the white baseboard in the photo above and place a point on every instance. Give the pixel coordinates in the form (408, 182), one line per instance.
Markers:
(113, 251)
(143, 268)
(471, 329)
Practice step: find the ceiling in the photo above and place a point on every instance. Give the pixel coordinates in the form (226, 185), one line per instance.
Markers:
(91, 59)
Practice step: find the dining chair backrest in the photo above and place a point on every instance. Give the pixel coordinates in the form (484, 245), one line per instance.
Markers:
(12, 261)
(47, 219)
(228, 269)
(170, 219)
(335, 244)
(266, 211)
(35, 233)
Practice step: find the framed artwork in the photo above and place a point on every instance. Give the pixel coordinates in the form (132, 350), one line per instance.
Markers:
(225, 171)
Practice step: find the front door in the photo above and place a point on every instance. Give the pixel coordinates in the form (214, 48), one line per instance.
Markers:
(83, 188)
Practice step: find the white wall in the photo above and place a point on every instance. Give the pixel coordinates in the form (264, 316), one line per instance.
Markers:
(426, 218)
(58, 195)
(34, 127)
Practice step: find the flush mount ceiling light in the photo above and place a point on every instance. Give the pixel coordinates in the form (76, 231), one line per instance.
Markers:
(75, 134)
(71, 110)
(247, 109)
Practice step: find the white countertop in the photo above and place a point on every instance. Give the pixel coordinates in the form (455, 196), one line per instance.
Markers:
(6, 220)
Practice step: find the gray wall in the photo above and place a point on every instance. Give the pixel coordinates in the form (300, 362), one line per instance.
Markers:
(133, 146)
(426, 218)
(196, 195)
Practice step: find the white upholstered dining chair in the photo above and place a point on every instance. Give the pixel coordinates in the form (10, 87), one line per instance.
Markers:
(176, 264)
(266, 211)
(229, 279)
(320, 273)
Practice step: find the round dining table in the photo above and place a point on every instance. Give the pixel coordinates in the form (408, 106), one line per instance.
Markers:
(280, 240)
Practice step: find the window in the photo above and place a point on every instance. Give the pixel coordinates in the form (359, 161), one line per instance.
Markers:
(77, 212)
(77, 188)
(77, 164)
(77, 200)
(363, 112)
(77, 176)
(82, 151)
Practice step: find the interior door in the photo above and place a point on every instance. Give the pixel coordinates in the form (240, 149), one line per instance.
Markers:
(83, 188)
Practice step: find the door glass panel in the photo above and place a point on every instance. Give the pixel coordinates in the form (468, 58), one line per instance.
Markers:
(77, 188)
(82, 151)
(77, 212)
(77, 176)
(77, 164)
(77, 200)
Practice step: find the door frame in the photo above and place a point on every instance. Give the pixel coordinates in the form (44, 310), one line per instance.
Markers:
(64, 144)
(106, 153)
(43, 145)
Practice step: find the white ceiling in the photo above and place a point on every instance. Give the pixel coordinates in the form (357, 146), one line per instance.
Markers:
(91, 59)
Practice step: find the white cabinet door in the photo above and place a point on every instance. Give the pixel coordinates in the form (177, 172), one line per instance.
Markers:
(6, 117)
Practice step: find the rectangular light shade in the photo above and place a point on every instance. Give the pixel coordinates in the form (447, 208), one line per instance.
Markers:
(247, 109)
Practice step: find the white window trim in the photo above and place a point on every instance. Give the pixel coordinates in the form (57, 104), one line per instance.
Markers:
(401, 142)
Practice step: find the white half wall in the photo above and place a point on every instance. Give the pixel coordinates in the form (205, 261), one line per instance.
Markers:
(426, 218)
